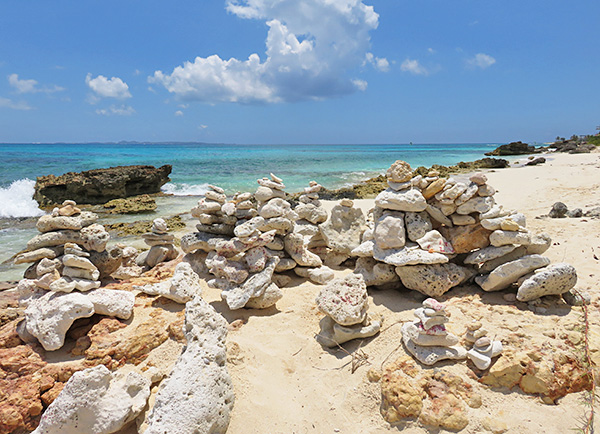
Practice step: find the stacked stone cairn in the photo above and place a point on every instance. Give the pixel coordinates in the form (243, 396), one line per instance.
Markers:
(161, 245)
(427, 338)
(310, 215)
(231, 244)
(483, 348)
(345, 303)
(438, 233)
(62, 284)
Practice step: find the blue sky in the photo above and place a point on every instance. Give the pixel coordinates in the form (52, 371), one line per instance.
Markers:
(298, 71)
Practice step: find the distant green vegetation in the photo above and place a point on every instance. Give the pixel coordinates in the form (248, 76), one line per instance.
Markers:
(594, 140)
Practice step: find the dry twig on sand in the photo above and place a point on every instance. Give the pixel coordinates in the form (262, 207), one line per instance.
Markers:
(359, 357)
(589, 397)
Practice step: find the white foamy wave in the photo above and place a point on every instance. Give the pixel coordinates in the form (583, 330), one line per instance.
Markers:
(17, 200)
(185, 189)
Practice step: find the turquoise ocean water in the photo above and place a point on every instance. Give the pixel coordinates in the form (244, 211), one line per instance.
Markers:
(195, 165)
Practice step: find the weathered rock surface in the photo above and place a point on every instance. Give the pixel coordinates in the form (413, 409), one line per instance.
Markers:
(417, 225)
(433, 280)
(434, 397)
(507, 274)
(100, 185)
(197, 397)
(131, 205)
(487, 254)
(465, 239)
(49, 317)
(343, 229)
(552, 280)
(389, 230)
(181, 288)
(513, 148)
(96, 401)
(294, 246)
(345, 300)
(48, 222)
(408, 255)
(375, 273)
(407, 200)
(112, 302)
(237, 296)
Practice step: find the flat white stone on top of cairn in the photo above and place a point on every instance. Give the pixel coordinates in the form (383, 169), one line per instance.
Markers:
(427, 338)
(161, 245)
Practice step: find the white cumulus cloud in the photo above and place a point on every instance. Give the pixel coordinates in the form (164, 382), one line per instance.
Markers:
(9, 103)
(30, 85)
(414, 67)
(481, 60)
(380, 63)
(312, 48)
(123, 110)
(108, 87)
(178, 113)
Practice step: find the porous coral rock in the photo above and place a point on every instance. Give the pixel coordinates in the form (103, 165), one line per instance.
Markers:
(198, 394)
(345, 300)
(95, 401)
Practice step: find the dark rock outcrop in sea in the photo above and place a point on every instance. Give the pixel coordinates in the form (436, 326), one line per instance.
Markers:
(99, 186)
(514, 148)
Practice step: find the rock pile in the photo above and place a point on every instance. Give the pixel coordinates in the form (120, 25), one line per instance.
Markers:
(62, 263)
(423, 226)
(310, 214)
(483, 348)
(242, 246)
(345, 304)
(560, 210)
(427, 338)
(161, 245)
(58, 261)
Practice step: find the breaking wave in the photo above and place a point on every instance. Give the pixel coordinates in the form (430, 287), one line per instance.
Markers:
(185, 189)
(16, 200)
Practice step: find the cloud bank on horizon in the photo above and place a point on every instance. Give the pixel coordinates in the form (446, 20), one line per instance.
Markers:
(312, 49)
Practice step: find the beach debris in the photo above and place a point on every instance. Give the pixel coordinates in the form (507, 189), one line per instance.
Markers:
(427, 338)
(198, 394)
(345, 303)
(161, 245)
